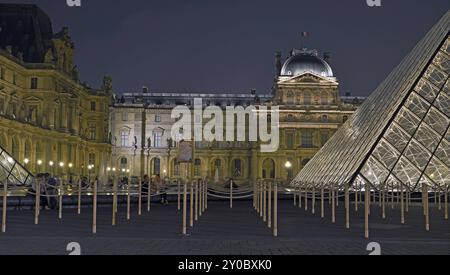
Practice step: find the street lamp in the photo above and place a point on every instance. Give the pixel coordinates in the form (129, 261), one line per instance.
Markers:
(288, 166)
(26, 160)
(51, 163)
(39, 163)
(70, 165)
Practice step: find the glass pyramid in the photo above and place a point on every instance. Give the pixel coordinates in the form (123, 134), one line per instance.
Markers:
(13, 173)
(400, 135)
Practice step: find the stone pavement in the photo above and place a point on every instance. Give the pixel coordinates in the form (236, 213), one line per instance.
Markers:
(223, 231)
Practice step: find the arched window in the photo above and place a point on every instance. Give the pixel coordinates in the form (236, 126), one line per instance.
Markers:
(28, 150)
(237, 168)
(15, 148)
(324, 119)
(268, 171)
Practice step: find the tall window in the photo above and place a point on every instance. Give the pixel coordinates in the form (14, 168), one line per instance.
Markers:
(324, 99)
(124, 138)
(91, 158)
(197, 166)
(32, 113)
(93, 106)
(2, 73)
(176, 168)
(15, 148)
(290, 140)
(34, 83)
(124, 116)
(307, 139)
(158, 118)
(156, 166)
(92, 132)
(157, 139)
(123, 163)
(14, 81)
(307, 98)
(324, 137)
(237, 168)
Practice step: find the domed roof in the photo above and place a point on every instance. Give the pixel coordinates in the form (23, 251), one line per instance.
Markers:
(304, 61)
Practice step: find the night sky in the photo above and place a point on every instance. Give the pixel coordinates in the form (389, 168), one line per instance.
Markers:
(229, 45)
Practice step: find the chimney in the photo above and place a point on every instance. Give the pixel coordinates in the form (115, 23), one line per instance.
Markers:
(145, 90)
(253, 91)
(278, 63)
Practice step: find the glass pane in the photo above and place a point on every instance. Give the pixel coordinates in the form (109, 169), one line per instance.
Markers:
(397, 137)
(407, 121)
(417, 105)
(446, 47)
(427, 90)
(406, 172)
(443, 152)
(374, 172)
(438, 172)
(442, 62)
(435, 76)
(443, 103)
(386, 154)
(427, 137)
(417, 154)
(437, 121)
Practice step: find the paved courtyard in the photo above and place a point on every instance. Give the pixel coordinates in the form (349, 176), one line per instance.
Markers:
(223, 231)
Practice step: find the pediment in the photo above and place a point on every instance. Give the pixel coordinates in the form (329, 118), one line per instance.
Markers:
(32, 99)
(308, 78)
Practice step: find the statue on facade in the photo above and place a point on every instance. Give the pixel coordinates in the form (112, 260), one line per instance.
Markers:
(75, 74)
(49, 58)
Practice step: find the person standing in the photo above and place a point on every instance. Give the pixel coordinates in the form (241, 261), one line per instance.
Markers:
(162, 188)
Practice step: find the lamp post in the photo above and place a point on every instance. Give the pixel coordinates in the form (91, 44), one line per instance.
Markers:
(70, 165)
(51, 163)
(288, 166)
(39, 163)
(89, 172)
(61, 166)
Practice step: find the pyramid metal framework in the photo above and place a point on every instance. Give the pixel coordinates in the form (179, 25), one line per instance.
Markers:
(13, 173)
(400, 136)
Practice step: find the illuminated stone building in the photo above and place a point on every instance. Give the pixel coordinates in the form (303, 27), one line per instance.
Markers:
(311, 110)
(46, 115)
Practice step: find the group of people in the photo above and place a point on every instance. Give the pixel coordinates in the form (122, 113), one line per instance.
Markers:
(48, 188)
(48, 185)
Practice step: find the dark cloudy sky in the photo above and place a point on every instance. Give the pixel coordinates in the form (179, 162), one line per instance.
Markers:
(229, 45)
